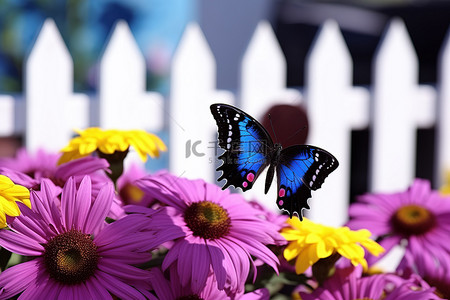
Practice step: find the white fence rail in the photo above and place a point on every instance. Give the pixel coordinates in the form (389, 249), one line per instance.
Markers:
(393, 107)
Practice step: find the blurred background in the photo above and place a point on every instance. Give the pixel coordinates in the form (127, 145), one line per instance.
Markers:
(228, 26)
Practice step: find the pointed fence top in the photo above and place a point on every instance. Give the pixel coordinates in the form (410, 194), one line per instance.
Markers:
(49, 50)
(193, 68)
(193, 45)
(444, 56)
(329, 58)
(122, 64)
(264, 47)
(122, 45)
(396, 52)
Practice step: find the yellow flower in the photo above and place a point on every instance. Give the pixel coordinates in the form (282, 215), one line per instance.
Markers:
(9, 194)
(110, 141)
(310, 242)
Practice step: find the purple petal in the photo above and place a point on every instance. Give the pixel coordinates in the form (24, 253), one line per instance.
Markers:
(201, 262)
(218, 264)
(82, 203)
(99, 209)
(19, 178)
(123, 271)
(80, 166)
(67, 202)
(16, 279)
(117, 287)
(161, 285)
(258, 250)
(20, 244)
(30, 224)
(184, 264)
(49, 191)
(96, 290)
(38, 205)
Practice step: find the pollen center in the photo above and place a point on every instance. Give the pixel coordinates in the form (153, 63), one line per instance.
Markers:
(207, 220)
(131, 194)
(413, 220)
(71, 257)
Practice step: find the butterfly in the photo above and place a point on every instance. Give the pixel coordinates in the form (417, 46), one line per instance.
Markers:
(249, 149)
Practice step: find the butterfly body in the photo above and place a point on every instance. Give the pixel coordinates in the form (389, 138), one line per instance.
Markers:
(249, 149)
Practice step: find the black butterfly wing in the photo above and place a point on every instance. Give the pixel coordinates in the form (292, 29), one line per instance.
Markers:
(247, 145)
(301, 168)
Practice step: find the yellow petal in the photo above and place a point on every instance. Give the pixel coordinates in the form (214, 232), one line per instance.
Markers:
(303, 262)
(291, 251)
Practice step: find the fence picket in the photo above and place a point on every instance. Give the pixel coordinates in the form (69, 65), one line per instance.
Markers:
(263, 84)
(51, 109)
(193, 83)
(394, 111)
(263, 73)
(443, 112)
(124, 101)
(399, 105)
(334, 107)
(7, 112)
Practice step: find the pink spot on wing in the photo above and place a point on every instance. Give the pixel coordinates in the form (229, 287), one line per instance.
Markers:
(245, 184)
(281, 193)
(250, 177)
(280, 203)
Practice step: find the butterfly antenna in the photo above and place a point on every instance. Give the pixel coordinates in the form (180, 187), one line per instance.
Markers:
(295, 133)
(273, 129)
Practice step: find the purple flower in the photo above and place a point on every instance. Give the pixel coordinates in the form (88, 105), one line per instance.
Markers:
(29, 171)
(168, 289)
(347, 283)
(419, 216)
(436, 272)
(129, 192)
(275, 218)
(75, 253)
(40, 165)
(222, 232)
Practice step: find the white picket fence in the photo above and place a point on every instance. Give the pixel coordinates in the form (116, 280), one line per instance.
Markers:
(393, 108)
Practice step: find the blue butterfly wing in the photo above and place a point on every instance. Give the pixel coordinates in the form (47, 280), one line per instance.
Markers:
(301, 168)
(246, 144)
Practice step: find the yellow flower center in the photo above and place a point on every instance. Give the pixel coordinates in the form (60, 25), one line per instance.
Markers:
(413, 220)
(131, 194)
(71, 257)
(207, 220)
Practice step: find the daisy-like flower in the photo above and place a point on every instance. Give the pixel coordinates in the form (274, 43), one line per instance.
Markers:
(221, 232)
(435, 271)
(168, 289)
(27, 172)
(41, 164)
(129, 192)
(418, 216)
(108, 142)
(347, 283)
(10, 194)
(310, 242)
(74, 252)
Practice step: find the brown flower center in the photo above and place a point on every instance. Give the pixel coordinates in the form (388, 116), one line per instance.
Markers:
(413, 220)
(207, 220)
(190, 297)
(71, 257)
